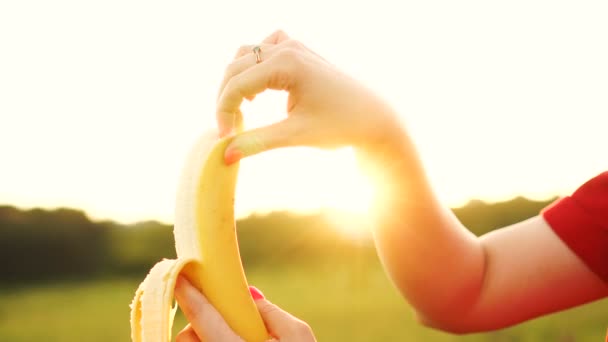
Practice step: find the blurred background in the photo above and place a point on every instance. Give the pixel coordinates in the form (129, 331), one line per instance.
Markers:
(100, 103)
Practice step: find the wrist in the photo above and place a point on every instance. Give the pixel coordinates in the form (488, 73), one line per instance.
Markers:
(384, 141)
(390, 160)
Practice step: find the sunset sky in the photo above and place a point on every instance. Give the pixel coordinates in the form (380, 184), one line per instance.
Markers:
(101, 101)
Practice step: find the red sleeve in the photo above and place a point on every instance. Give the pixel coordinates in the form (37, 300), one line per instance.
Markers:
(581, 221)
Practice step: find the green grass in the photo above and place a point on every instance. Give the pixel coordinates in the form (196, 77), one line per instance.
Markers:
(341, 304)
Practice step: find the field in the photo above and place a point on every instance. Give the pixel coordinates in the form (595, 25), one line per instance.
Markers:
(348, 303)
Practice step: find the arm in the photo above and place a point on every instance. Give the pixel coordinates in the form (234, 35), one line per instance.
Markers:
(454, 280)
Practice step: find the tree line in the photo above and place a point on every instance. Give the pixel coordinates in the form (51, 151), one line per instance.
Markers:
(46, 245)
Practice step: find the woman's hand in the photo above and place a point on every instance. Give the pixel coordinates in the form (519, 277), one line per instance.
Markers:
(325, 108)
(206, 324)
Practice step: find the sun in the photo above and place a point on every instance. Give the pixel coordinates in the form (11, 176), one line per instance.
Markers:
(351, 191)
(330, 180)
(332, 186)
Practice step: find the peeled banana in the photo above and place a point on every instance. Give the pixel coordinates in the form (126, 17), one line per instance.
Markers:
(207, 252)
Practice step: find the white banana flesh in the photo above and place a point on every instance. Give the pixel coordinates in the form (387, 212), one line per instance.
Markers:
(207, 252)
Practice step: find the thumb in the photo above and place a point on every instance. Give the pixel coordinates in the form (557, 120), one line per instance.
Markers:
(288, 132)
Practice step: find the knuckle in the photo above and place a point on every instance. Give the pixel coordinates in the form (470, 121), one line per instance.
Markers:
(279, 32)
(243, 50)
(294, 44)
(282, 76)
(269, 308)
(252, 144)
(233, 87)
(287, 69)
(277, 36)
(289, 55)
(301, 329)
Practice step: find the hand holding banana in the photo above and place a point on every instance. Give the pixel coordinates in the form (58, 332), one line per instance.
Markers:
(209, 325)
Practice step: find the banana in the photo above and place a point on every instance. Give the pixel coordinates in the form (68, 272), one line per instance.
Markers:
(207, 252)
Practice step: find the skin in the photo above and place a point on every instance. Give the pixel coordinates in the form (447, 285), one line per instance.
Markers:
(455, 281)
(206, 324)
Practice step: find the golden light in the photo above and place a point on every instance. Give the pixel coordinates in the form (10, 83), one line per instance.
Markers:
(297, 178)
(109, 120)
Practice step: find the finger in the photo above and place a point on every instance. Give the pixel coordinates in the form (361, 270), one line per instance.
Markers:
(248, 50)
(278, 74)
(187, 335)
(282, 324)
(289, 132)
(207, 323)
(276, 37)
(244, 60)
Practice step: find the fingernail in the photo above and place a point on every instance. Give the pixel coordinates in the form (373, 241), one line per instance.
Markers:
(232, 156)
(256, 294)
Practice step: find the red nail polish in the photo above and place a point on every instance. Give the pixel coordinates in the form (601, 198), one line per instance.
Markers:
(255, 293)
(233, 156)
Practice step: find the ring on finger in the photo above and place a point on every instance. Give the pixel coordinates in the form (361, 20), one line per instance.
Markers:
(257, 50)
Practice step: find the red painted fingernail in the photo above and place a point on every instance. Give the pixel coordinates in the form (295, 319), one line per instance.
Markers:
(233, 156)
(255, 293)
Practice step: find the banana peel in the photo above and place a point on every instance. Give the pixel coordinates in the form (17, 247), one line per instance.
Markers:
(207, 252)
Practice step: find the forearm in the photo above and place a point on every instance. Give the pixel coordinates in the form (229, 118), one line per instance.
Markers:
(436, 263)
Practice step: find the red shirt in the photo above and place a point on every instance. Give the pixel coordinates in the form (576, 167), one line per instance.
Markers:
(581, 221)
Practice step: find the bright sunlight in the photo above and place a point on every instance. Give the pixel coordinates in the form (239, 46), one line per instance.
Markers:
(101, 105)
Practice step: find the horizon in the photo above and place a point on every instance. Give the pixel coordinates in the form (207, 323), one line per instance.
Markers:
(317, 211)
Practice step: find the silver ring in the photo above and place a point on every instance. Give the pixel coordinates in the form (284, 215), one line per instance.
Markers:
(257, 49)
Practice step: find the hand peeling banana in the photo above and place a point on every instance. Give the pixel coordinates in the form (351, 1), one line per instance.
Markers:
(207, 252)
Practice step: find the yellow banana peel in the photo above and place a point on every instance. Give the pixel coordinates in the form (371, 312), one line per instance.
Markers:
(207, 252)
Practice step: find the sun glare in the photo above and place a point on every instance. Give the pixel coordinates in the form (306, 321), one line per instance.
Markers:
(275, 179)
(329, 179)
